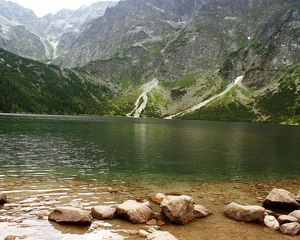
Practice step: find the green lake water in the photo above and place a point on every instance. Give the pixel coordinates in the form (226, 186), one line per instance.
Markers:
(94, 147)
(50, 161)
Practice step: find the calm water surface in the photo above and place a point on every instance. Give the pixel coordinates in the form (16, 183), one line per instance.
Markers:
(117, 147)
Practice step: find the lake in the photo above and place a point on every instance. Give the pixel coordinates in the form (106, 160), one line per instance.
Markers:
(64, 159)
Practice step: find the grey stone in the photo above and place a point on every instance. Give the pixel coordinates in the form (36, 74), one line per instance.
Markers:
(290, 228)
(243, 213)
(103, 212)
(280, 199)
(178, 209)
(70, 215)
(134, 211)
(286, 219)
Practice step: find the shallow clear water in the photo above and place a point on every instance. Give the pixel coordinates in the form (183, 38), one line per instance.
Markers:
(48, 161)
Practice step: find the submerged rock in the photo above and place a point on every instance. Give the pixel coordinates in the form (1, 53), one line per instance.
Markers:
(178, 209)
(243, 213)
(282, 219)
(290, 228)
(201, 211)
(103, 212)
(280, 199)
(295, 214)
(161, 235)
(271, 222)
(70, 215)
(3, 198)
(298, 197)
(135, 212)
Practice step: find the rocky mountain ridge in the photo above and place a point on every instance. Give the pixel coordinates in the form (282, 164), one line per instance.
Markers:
(43, 39)
(195, 50)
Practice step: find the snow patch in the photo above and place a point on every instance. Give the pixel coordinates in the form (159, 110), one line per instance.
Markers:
(139, 108)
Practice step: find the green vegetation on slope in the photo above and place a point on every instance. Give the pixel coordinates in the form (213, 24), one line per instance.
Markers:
(283, 103)
(27, 86)
(227, 108)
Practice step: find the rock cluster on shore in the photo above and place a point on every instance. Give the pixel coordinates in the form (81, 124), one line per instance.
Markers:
(280, 212)
(173, 209)
(278, 200)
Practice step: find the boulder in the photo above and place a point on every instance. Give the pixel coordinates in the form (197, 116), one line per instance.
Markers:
(103, 212)
(70, 215)
(158, 198)
(290, 228)
(161, 235)
(243, 213)
(280, 199)
(134, 211)
(201, 211)
(178, 209)
(3, 198)
(295, 214)
(282, 219)
(271, 222)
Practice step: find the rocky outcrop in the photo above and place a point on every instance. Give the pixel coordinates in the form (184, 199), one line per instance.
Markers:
(70, 215)
(290, 228)
(3, 198)
(103, 212)
(134, 211)
(282, 219)
(243, 213)
(271, 222)
(280, 199)
(178, 209)
(201, 211)
(161, 235)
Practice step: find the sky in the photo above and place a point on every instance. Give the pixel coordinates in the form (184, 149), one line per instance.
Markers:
(42, 7)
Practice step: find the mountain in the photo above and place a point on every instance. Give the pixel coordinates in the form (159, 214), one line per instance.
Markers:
(16, 33)
(234, 60)
(29, 86)
(44, 39)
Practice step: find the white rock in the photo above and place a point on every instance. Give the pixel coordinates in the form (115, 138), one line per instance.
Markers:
(271, 222)
(143, 233)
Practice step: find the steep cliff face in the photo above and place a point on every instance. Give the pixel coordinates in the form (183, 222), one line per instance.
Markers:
(16, 32)
(129, 23)
(44, 39)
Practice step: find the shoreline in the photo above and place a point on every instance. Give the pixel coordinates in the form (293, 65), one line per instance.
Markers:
(214, 196)
(66, 116)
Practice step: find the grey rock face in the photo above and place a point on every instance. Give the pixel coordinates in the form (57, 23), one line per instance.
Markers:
(244, 213)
